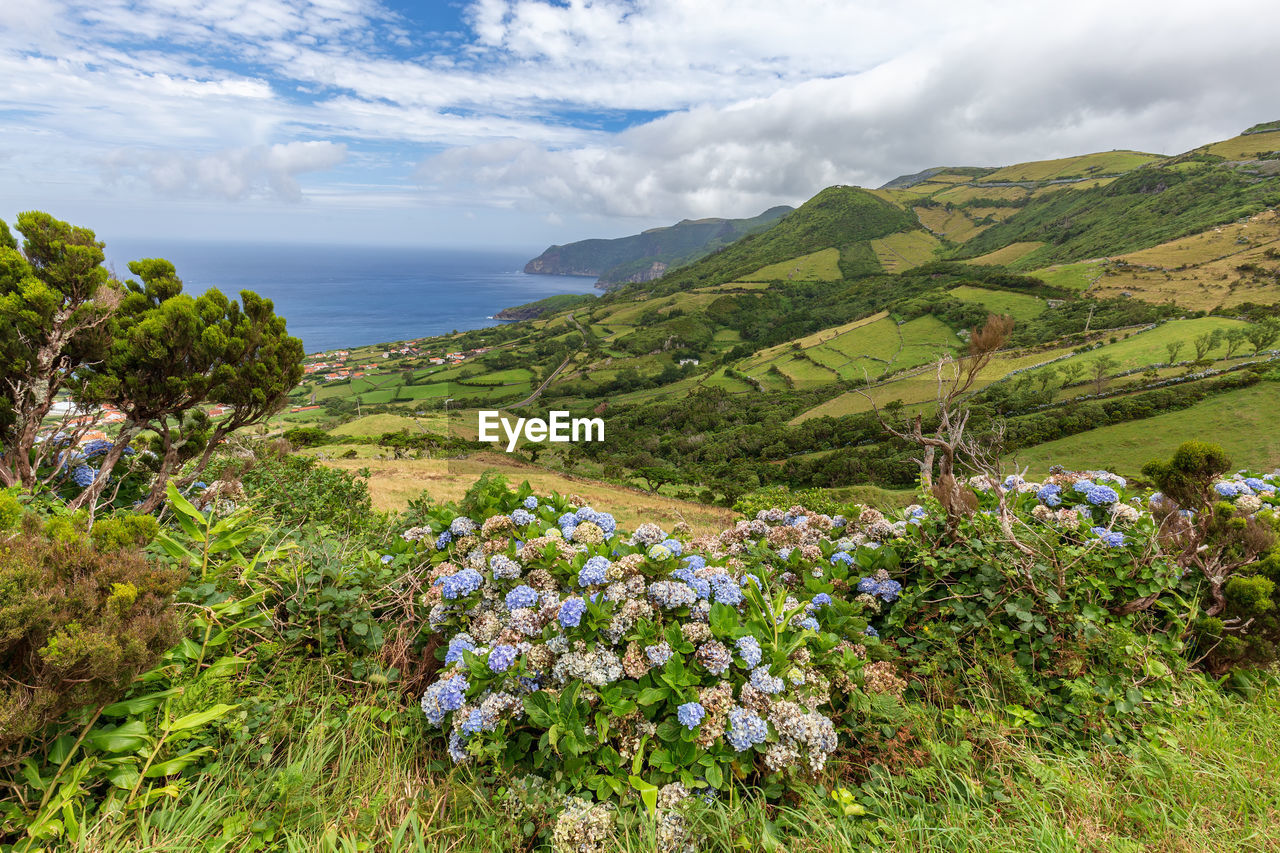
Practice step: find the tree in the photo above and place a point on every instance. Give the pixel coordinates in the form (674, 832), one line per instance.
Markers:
(955, 378)
(168, 354)
(55, 300)
(1099, 370)
(1173, 348)
(1264, 334)
(1205, 342)
(1071, 372)
(1235, 338)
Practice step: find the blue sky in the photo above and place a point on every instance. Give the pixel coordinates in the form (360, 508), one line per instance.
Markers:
(523, 122)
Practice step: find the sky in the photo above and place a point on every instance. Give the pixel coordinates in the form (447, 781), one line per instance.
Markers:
(526, 122)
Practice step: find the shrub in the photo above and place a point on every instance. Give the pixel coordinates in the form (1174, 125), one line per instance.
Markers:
(299, 491)
(592, 658)
(125, 530)
(76, 626)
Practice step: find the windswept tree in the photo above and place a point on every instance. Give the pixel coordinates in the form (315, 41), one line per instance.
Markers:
(1235, 338)
(1263, 334)
(56, 299)
(942, 446)
(171, 352)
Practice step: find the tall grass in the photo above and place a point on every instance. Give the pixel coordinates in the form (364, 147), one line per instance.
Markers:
(370, 778)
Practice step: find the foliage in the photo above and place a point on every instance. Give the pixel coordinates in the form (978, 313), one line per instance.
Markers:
(613, 657)
(77, 625)
(298, 491)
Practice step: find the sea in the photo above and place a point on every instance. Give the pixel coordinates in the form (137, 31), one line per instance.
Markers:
(335, 297)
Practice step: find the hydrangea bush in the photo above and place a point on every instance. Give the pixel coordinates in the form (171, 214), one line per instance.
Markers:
(607, 661)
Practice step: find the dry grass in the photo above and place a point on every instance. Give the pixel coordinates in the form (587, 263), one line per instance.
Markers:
(1201, 271)
(393, 483)
(1085, 165)
(823, 265)
(1245, 147)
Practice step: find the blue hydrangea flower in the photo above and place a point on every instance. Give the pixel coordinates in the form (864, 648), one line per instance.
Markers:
(1256, 484)
(458, 748)
(821, 600)
(690, 714)
(387, 558)
(658, 653)
(531, 503)
(746, 729)
(462, 526)
(839, 521)
(97, 447)
(501, 658)
(443, 540)
(887, 590)
(522, 596)
(446, 695)
(694, 562)
(764, 682)
(522, 518)
(571, 611)
(1110, 538)
(808, 623)
(870, 631)
(83, 475)
(671, 595)
(473, 723)
(841, 557)
(1101, 495)
(459, 644)
(460, 583)
(594, 572)
(1083, 486)
(1049, 490)
(603, 520)
(1226, 489)
(749, 650)
(726, 590)
(673, 545)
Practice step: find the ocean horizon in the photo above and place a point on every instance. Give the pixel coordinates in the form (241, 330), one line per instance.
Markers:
(336, 296)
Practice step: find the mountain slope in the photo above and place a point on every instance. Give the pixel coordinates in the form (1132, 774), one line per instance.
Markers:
(647, 255)
(840, 217)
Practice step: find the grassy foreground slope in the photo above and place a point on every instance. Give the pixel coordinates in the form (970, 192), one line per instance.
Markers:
(1243, 422)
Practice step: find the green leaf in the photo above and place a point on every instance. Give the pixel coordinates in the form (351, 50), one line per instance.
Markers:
(714, 776)
(648, 793)
(176, 765)
(128, 737)
(182, 505)
(139, 705)
(200, 718)
(652, 695)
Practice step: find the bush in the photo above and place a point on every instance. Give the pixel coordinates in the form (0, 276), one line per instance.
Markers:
(76, 626)
(593, 658)
(299, 492)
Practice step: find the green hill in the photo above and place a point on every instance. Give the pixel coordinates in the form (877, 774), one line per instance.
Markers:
(647, 255)
(840, 217)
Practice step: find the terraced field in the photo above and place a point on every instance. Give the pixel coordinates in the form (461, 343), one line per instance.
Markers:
(1019, 306)
(922, 386)
(1085, 165)
(1079, 276)
(905, 250)
(952, 224)
(1245, 147)
(823, 265)
(1006, 254)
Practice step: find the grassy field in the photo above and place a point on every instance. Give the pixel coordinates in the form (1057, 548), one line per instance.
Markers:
(375, 425)
(1203, 271)
(819, 266)
(920, 387)
(1245, 147)
(1079, 276)
(1019, 306)
(1007, 254)
(952, 224)
(905, 249)
(393, 483)
(1085, 165)
(1242, 421)
(970, 192)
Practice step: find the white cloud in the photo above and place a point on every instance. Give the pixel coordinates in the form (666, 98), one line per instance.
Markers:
(764, 102)
(232, 174)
